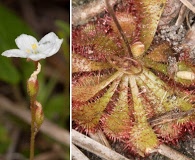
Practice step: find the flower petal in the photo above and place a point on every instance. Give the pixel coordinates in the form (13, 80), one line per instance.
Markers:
(25, 42)
(49, 38)
(15, 53)
(49, 44)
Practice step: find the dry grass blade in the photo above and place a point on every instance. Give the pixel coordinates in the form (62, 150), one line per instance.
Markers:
(182, 14)
(77, 154)
(100, 137)
(189, 5)
(82, 14)
(171, 153)
(95, 147)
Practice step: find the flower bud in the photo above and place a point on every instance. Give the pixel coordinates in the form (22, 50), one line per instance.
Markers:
(137, 49)
(32, 83)
(39, 116)
(32, 87)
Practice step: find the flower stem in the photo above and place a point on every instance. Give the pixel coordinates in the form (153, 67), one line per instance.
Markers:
(33, 133)
(33, 112)
(119, 28)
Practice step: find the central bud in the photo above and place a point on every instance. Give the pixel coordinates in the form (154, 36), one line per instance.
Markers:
(125, 64)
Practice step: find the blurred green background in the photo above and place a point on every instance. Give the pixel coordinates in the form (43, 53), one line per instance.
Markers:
(35, 18)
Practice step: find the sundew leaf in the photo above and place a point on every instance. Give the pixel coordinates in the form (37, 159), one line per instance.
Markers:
(150, 11)
(10, 27)
(168, 98)
(81, 63)
(160, 53)
(161, 67)
(145, 138)
(140, 115)
(118, 123)
(89, 115)
(84, 93)
(93, 41)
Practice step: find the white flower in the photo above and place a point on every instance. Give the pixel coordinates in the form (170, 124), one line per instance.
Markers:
(30, 48)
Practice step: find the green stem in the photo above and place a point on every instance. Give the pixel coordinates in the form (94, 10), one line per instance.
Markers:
(32, 140)
(33, 127)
